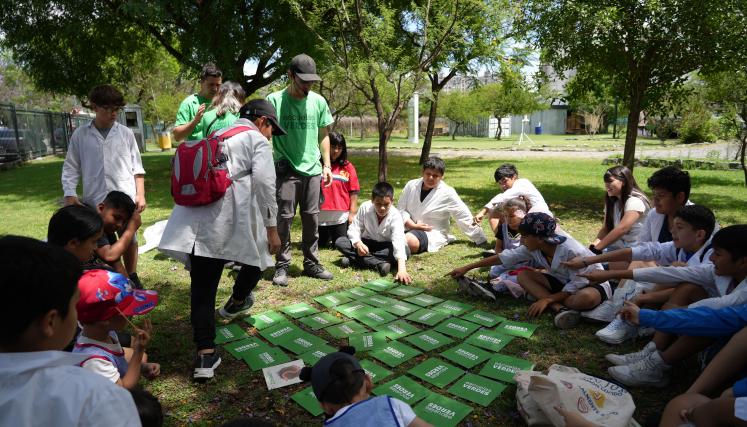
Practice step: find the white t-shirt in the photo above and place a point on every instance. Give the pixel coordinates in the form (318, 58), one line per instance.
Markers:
(402, 411)
(632, 204)
(98, 365)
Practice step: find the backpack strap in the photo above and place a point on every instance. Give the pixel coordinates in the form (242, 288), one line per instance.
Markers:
(231, 133)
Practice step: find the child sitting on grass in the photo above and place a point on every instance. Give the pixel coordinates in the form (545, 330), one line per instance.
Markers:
(343, 390)
(725, 282)
(121, 222)
(376, 238)
(40, 385)
(691, 233)
(558, 288)
(77, 229)
(105, 299)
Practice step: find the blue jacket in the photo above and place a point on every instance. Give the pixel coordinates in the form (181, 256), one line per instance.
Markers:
(702, 322)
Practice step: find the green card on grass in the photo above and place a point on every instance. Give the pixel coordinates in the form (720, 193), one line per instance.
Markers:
(237, 348)
(266, 319)
(307, 400)
(402, 388)
(357, 292)
(376, 372)
(299, 310)
(404, 291)
(453, 308)
(397, 329)
(477, 389)
(228, 333)
(401, 308)
(333, 299)
(394, 353)
(344, 330)
(503, 368)
(427, 317)
(436, 372)
(367, 341)
(374, 317)
(428, 340)
(320, 320)
(313, 356)
(301, 342)
(466, 355)
(457, 328)
(264, 357)
(379, 285)
(424, 300)
(352, 309)
(489, 340)
(519, 329)
(377, 300)
(441, 411)
(275, 334)
(483, 318)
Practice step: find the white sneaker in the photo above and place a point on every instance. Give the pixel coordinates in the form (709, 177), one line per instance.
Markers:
(627, 359)
(604, 312)
(650, 371)
(567, 319)
(617, 332)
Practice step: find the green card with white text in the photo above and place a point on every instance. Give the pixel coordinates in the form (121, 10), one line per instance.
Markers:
(394, 353)
(427, 317)
(489, 340)
(308, 401)
(320, 320)
(477, 389)
(228, 333)
(483, 318)
(238, 348)
(503, 368)
(428, 340)
(436, 372)
(518, 329)
(466, 355)
(265, 357)
(344, 330)
(265, 320)
(441, 411)
(397, 329)
(376, 372)
(402, 388)
(457, 328)
(453, 308)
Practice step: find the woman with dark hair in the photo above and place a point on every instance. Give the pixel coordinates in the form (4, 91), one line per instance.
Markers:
(340, 199)
(625, 208)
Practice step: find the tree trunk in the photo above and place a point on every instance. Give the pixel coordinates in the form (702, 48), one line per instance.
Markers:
(614, 124)
(456, 128)
(632, 129)
(426, 151)
(742, 156)
(499, 131)
(363, 132)
(383, 158)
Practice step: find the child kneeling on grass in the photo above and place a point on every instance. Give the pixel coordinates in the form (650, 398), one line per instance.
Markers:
(343, 390)
(106, 298)
(376, 238)
(559, 288)
(725, 281)
(40, 385)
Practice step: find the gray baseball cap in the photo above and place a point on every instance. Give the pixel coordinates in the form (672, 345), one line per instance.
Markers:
(305, 68)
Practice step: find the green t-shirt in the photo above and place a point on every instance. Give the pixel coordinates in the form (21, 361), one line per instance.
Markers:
(226, 120)
(187, 111)
(301, 118)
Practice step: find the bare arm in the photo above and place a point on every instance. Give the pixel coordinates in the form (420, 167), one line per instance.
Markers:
(626, 223)
(182, 131)
(140, 193)
(112, 253)
(625, 254)
(485, 262)
(324, 149)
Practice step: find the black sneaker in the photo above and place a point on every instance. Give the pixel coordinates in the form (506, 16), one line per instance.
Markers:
(318, 272)
(135, 281)
(344, 262)
(483, 290)
(281, 276)
(205, 365)
(384, 268)
(232, 310)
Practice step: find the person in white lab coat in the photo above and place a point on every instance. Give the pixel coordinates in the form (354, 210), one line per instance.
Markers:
(240, 227)
(427, 204)
(376, 238)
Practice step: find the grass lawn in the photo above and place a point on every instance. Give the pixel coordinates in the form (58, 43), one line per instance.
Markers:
(565, 142)
(573, 188)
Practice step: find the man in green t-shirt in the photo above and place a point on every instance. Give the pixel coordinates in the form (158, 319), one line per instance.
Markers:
(305, 116)
(192, 108)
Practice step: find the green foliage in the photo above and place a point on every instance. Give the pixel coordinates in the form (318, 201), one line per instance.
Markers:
(461, 108)
(510, 96)
(17, 88)
(696, 124)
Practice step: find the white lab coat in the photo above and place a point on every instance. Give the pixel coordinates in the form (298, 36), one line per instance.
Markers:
(666, 253)
(652, 225)
(366, 225)
(48, 388)
(703, 275)
(522, 187)
(441, 204)
(232, 228)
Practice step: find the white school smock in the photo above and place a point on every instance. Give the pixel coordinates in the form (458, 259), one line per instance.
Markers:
(232, 228)
(522, 187)
(512, 258)
(366, 225)
(48, 388)
(441, 204)
(104, 164)
(666, 253)
(652, 225)
(703, 275)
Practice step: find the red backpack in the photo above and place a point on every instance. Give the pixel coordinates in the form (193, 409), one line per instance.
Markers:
(198, 173)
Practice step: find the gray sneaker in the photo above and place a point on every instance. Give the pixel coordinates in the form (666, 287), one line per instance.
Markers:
(384, 268)
(318, 272)
(231, 310)
(281, 276)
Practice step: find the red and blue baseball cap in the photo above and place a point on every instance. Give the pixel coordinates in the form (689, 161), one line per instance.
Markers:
(103, 294)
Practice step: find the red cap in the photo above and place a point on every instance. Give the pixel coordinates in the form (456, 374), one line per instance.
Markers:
(102, 292)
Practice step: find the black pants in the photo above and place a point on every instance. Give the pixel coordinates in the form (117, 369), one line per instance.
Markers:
(378, 252)
(205, 275)
(329, 234)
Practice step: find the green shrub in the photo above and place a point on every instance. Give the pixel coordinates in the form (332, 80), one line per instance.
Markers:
(697, 125)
